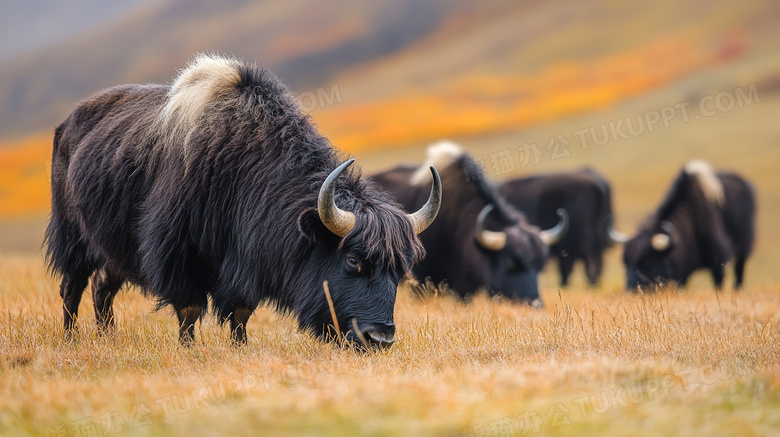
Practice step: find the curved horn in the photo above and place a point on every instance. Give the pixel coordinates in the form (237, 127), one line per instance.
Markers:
(338, 221)
(614, 236)
(617, 237)
(490, 240)
(425, 215)
(662, 241)
(555, 234)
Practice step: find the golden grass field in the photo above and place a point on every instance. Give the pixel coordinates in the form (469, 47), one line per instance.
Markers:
(592, 362)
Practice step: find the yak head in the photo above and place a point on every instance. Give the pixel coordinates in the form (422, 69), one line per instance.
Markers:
(515, 254)
(362, 251)
(654, 256)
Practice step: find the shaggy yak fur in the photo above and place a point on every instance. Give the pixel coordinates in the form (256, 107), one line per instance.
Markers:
(454, 254)
(706, 220)
(207, 189)
(586, 196)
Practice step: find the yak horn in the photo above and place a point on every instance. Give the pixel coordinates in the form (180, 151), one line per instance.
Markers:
(338, 221)
(425, 215)
(614, 236)
(553, 235)
(490, 240)
(662, 241)
(617, 237)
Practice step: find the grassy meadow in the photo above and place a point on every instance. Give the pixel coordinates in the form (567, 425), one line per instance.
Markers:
(592, 362)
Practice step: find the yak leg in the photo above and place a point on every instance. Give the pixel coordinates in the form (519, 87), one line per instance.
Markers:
(71, 289)
(718, 272)
(565, 266)
(104, 287)
(739, 272)
(187, 316)
(594, 264)
(238, 320)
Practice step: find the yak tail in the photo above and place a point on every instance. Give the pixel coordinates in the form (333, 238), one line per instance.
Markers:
(54, 236)
(63, 247)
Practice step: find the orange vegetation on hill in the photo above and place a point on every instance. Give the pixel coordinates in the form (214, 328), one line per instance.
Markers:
(25, 167)
(479, 104)
(476, 104)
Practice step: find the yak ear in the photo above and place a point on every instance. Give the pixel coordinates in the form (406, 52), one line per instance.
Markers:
(311, 226)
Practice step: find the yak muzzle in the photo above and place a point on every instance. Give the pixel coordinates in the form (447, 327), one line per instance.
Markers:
(381, 336)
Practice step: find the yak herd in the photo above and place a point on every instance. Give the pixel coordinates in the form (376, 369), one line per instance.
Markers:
(218, 188)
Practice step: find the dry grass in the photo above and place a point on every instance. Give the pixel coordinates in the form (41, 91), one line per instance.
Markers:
(456, 367)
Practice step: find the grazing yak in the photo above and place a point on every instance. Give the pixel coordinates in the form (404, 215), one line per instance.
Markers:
(478, 239)
(586, 196)
(706, 220)
(219, 187)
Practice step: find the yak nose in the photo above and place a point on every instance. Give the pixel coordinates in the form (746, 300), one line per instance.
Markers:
(380, 335)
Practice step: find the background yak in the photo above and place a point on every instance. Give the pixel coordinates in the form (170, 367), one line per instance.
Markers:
(706, 220)
(478, 239)
(220, 186)
(586, 196)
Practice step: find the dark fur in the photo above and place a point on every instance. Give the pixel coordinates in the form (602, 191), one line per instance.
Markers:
(454, 256)
(704, 235)
(232, 219)
(586, 196)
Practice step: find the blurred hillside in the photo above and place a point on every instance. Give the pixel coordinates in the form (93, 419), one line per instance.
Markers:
(34, 24)
(463, 56)
(306, 42)
(385, 79)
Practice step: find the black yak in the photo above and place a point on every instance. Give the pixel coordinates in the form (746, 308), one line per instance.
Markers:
(478, 240)
(586, 196)
(220, 187)
(706, 220)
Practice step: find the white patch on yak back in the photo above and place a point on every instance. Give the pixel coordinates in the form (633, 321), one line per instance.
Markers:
(206, 80)
(440, 155)
(708, 181)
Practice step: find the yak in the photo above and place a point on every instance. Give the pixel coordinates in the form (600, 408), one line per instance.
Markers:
(478, 240)
(219, 188)
(586, 196)
(706, 220)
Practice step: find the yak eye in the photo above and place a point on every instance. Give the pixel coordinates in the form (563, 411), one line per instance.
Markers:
(353, 263)
(511, 264)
